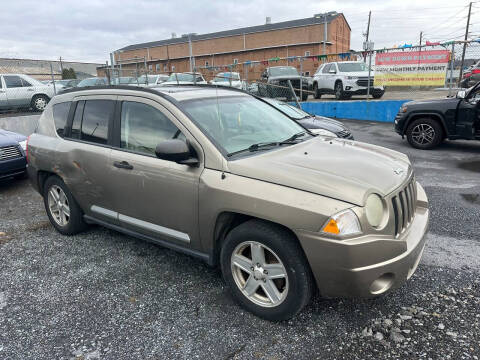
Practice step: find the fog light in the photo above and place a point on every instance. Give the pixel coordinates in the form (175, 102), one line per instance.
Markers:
(382, 284)
(348, 87)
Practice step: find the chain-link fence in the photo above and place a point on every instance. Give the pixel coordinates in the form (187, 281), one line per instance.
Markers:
(403, 73)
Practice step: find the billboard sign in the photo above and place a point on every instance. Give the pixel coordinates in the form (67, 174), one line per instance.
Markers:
(411, 68)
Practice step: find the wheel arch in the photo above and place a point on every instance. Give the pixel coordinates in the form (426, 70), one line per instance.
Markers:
(430, 115)
(228, 220)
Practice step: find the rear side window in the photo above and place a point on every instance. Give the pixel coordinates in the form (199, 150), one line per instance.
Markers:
(60, 115)
(96, 117)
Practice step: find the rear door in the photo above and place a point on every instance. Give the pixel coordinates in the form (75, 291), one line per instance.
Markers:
(83, 156)
(323, 76)
(155, 197)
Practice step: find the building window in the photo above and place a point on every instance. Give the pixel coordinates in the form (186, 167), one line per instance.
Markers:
(150, 67)
(307, 53)
(173, 67)
(235, 61)
(165, 68)
(206, 63)
(157, 67)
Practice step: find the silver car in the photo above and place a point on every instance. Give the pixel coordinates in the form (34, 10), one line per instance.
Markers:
(23, 91)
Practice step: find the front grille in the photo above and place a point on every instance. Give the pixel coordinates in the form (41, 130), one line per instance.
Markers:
(364, 82)
(9, 152)
(404, 204)
(295, 83)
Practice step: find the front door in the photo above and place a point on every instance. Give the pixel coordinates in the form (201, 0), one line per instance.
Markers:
(468, 120)
(3, 95)
(155, 197)
(18, 92)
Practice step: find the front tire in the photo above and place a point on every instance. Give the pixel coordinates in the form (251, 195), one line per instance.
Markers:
(378, 95)
(39, 102)
(424, 133)
(339, 95)
(62, 209)
(266, 270)
(316, 92)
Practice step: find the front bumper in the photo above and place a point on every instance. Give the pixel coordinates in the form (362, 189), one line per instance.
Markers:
(369, 265)
(9, 168)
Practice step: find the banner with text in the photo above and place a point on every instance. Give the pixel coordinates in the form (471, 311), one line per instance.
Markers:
(412, 68)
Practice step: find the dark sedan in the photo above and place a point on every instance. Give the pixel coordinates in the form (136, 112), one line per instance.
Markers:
(319, 124)
(13, 162)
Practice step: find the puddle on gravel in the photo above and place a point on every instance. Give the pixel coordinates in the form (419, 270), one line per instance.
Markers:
(470, 165)
(471, 198)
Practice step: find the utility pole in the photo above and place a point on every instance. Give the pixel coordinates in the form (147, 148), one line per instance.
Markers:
(465, 44)
(325, 34)
(420, 43)
(61, 65)
(367, 34)
(190, 51)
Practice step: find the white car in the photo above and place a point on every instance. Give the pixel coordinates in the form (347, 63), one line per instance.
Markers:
(23, 91)
(149, 80)
(228, 79)
(184, 78)
(344, 79)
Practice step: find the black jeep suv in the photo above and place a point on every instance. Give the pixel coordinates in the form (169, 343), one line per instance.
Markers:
(426, 123)
(274, 83)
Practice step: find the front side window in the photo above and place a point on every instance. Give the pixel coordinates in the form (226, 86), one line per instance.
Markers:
(326, 68)
(60, 115)
(143, 127)
(13, 81)
(96, 117)
(237, 122)
(25, 83)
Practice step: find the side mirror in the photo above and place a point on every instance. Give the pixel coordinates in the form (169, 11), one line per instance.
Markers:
(461, 94)
(175, 150)
(332, 71)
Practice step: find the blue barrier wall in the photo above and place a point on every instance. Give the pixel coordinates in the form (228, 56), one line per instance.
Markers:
(379, 110)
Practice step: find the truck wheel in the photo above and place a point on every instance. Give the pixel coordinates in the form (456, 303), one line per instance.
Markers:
(316, 92)
(424, 133)
(266, 270)
(39, 102)
(62, 209)
(339, 95)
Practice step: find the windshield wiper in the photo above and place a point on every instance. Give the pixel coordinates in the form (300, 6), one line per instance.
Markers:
(255, 147)
(292, 138)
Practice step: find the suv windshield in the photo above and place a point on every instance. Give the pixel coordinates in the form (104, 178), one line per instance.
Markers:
(290, 110)
(283, 71)
(238, 122)
(226, 77)
(352, 67)
(144, 78)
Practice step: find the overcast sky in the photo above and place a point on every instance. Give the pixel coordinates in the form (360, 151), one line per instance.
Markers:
(89, 30)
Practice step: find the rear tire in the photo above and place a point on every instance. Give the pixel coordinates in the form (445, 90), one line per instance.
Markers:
(266, 270)
(62, 209)
(378, 95)
(39, 102)
(424, 133)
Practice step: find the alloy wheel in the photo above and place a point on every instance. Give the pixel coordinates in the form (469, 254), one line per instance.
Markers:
(58, 205)
(40, 103)
(423, 134)
(259, 274)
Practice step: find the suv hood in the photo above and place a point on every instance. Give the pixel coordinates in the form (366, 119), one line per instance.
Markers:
(336, 168)
(427, 102)
(357, 73)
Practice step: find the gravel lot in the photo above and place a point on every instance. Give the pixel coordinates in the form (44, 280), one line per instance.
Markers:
(103, 295)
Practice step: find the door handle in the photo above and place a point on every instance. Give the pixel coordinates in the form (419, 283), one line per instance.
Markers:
(123, 165)
(29, 89)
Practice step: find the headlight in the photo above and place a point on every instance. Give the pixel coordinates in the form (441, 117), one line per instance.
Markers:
(274, 82)
(403, 109)
(374, 210)
(343, 223)
(323, 132)
(352, 77)
(23, 144)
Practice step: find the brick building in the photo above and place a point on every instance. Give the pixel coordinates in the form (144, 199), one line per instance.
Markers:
(302, 37)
